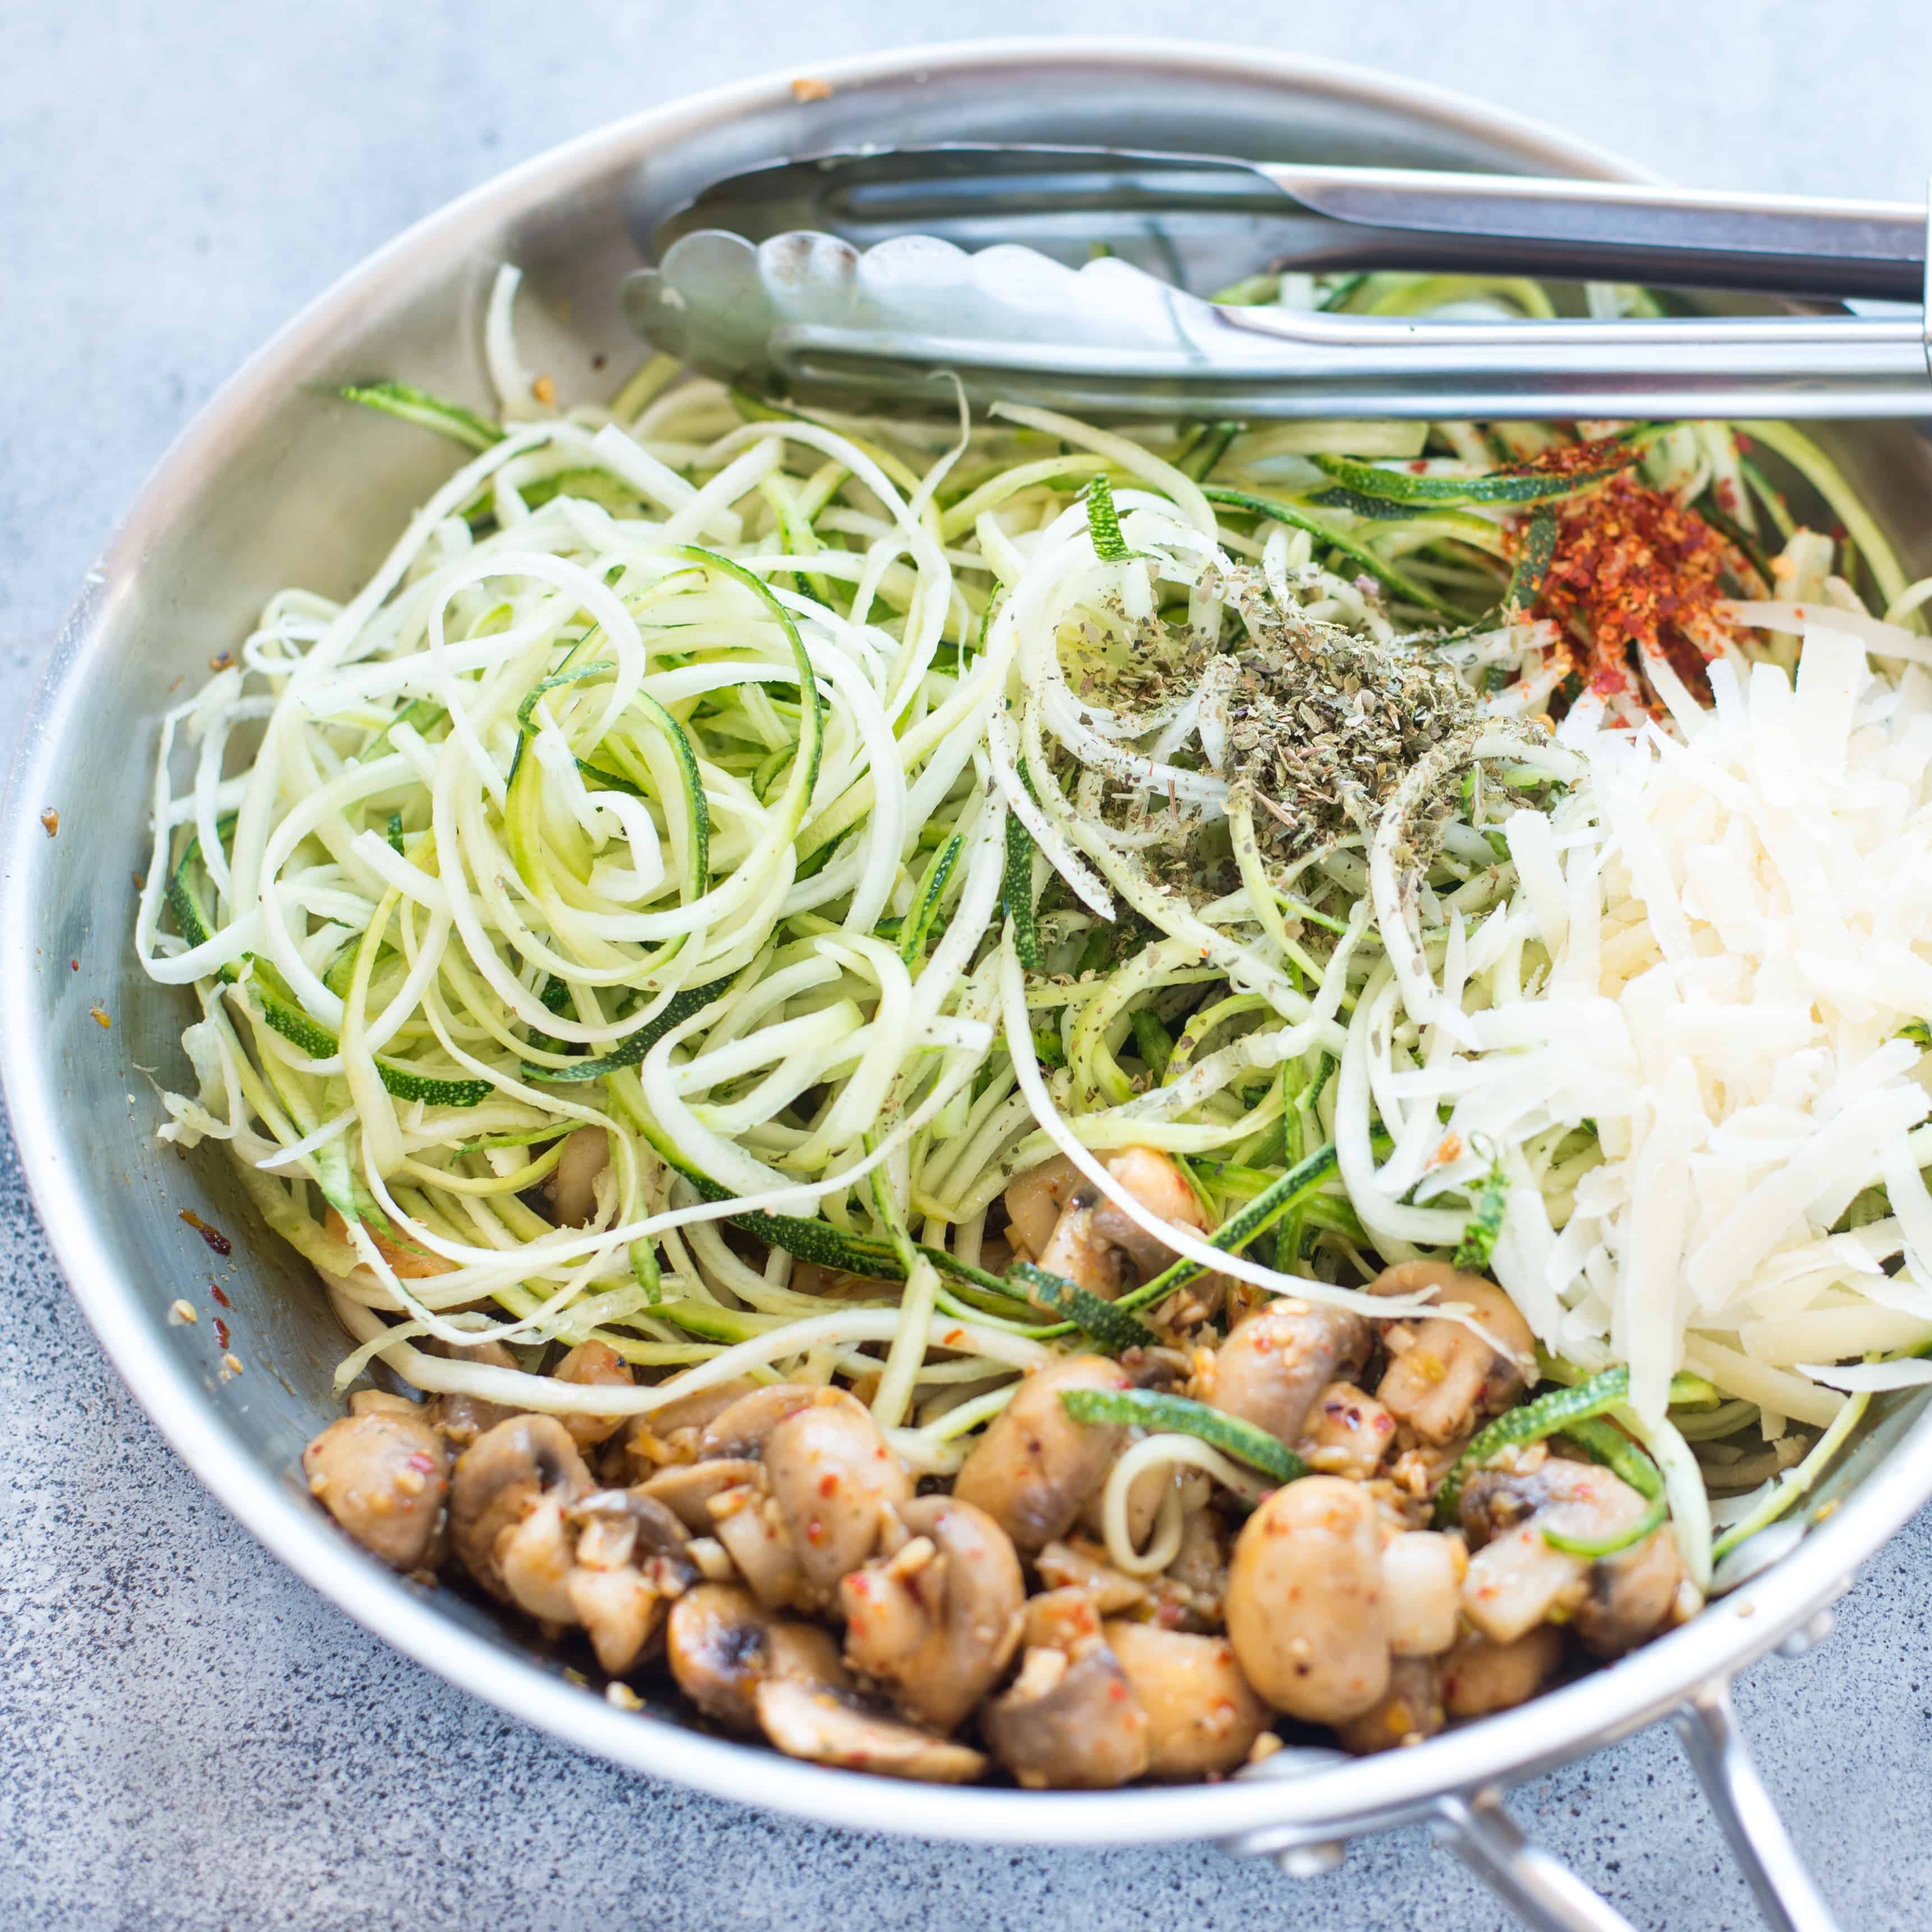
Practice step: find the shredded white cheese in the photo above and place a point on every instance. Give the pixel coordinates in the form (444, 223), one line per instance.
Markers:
(1719, 940)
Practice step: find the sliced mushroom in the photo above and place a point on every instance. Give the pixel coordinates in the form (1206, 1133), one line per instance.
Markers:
(1423, 1571)
(383, 1476)
(1348, 1433)
(752, 1530)
(1273, 1365)
(685, 1489)
(1034, 1201)
(621, 1612)
(1408, 1711)
(1035, 1465)
(572, 1185)
(1202, 1717)
(593, 1365)
(1517, 1577)
(722, 1646)
(1069, 1720)
(936, 1625)
(1159, 1185)
(1080, 1252)
(500, 1479)
(1480, 1676)
(1445, 1378)
(835, 1727)
(1307, 1608)
(1080, 1565)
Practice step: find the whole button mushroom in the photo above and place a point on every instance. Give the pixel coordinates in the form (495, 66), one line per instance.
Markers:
(722, 1644)
(937, 1623)
(382, 1476)
(1308, 1613)
(499, 1481)
(835, 1483)
(1202, 1717)
(1445, 1378)
(1035, 1465)
(1274, 1365)
(1070, 1720)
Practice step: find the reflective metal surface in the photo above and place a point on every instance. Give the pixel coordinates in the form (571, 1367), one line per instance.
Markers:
(276, 483)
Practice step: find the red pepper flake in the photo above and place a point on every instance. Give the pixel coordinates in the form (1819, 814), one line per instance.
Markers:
(213, 1237)
(50, 822)
(828, 1485)
(220, 1333)
(214, 1289)
(1635, 574)
(75, 964)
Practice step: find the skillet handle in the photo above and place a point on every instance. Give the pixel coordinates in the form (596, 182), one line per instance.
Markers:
(1708, 1725)
(1545, 1895)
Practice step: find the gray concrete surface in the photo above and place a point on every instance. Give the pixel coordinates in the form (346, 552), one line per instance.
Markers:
(189, 1740)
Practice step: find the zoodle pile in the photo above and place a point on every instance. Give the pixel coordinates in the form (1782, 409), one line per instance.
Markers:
(1054, 962)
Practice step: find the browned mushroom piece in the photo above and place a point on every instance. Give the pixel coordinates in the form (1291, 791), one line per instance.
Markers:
(1080, 1564)
(752, 1530)
(572, 1186)
(722, 1646)
(1409, 1711)
(1480, 1676)
(1347, 1433)
(1202, 1717)
(1516, 1578)
(1445, 1378)
(462, 1418)
(593, 1365)
(936, 1624)
(836, 1485)
(1273, 1365)
(667, 1437)
(498, 1482)
(1307, 1608)
(1069, 1720)
(1034, 1201)
(1423, 1570)
(383, 1476)
(738, 1429)
(534, 1559)
(632, 1560)
(838, 1728)
(685, 1489)
(1035, 1465)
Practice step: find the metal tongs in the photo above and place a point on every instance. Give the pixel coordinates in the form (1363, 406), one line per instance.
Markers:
(1077, 278)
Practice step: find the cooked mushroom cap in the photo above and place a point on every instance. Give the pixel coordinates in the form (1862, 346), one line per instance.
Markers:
(685, 1489)
(534, 1560)
(383, 1477)
(1273, 1365)
(1480, 1676)
(621, 1610)
(497, 1483)
(1160, 1187)
(1307, 1610)
(1409, 1711)
(1202, 1717)
(1346, 1433)
(740, 1430)
(835, 1482)
(835, 1728)
(1070, 1722)
(462, 1418)
(594, 1364)
(1034, 1200)
(1447, 1378)
(1035, 1465)
(937, 1634)
(722, 1646)
(1516, 1578)
(1423, 1569)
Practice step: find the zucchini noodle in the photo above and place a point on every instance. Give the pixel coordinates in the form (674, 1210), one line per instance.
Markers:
(770, 835)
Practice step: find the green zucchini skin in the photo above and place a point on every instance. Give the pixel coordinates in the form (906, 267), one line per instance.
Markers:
(1150, 1409)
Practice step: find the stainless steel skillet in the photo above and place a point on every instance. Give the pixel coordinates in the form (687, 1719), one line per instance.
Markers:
(275, 483)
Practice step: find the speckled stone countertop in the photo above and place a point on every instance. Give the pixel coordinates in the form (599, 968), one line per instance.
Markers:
(189, 1738)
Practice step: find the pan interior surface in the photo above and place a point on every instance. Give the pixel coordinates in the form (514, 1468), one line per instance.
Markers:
(279, 483)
